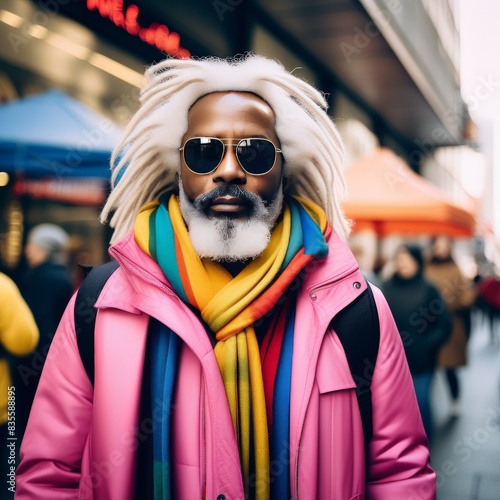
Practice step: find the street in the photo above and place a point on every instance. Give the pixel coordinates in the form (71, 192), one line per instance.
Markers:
(466, 450)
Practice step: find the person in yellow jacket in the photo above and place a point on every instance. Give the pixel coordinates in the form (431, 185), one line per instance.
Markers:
(18, 337)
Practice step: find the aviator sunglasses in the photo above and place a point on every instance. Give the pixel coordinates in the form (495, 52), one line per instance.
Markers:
(255, 155)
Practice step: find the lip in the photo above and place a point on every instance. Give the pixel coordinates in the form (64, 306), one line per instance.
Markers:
(229, 205)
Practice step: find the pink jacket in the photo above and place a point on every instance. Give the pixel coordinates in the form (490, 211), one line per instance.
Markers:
(81, 442)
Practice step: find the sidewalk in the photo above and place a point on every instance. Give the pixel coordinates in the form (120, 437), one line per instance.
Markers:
(465, 452)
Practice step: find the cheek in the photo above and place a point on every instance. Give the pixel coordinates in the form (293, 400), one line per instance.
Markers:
(193, 184)
(269, 191)
(265, 186)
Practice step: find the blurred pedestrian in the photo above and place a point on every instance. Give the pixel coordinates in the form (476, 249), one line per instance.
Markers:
(459, 296)
(488, 301)
(218, 372)
(46, 287)
(423, 321)
(18, 337)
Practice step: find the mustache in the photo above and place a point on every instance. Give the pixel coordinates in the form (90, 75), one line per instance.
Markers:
(202, 201)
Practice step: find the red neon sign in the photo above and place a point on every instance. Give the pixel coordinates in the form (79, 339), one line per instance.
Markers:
(157, 35)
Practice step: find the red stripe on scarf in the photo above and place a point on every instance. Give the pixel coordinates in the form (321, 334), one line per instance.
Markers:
(266, 301)
(270, 355)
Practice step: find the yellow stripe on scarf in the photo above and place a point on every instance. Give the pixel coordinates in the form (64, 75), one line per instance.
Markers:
(238, 358)
(141, 226)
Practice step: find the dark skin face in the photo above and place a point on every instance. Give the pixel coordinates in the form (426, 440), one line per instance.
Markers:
(231, 115)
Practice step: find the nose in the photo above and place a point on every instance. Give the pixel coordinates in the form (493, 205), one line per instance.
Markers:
(229, 170)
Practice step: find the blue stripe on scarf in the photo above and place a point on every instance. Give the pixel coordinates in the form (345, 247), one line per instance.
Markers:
(314, 240)
(165, 239)
(304, 232)
(296, 237)
(165, 347)
(280, 432)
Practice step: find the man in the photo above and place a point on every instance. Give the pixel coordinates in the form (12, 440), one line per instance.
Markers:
(47, 285)
(47, 288)
(217, 373)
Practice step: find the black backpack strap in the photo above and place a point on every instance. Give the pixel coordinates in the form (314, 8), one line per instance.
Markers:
(85, 312)
(358, 328)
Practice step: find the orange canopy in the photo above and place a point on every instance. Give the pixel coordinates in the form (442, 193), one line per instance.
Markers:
(388, 197)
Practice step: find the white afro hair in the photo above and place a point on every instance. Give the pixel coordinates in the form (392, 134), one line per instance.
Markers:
(147, 159)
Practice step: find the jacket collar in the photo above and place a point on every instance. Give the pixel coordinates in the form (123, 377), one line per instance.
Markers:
(137, 263)
(337, 265)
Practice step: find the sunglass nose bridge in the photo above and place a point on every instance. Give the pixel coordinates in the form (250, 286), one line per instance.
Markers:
(230, 141)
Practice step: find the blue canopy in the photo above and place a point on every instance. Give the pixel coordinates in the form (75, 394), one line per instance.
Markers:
(53, 135)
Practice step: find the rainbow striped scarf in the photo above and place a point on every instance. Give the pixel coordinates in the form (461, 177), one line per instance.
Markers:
(230, 306)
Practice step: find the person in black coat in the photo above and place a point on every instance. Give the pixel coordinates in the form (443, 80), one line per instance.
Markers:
(47, 288)
(423, 321)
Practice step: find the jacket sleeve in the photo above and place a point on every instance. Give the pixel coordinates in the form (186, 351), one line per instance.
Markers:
(398, 462)
(53, 444)
(18, 330)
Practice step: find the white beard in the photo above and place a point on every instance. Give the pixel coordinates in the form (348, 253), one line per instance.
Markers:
(225, 239)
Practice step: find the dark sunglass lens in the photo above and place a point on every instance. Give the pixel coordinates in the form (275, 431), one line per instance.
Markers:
(256, 156)
(203, 154)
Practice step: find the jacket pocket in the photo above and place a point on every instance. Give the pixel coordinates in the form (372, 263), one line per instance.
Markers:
(340, 440)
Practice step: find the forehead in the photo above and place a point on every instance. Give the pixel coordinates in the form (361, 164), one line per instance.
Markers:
(224, 113)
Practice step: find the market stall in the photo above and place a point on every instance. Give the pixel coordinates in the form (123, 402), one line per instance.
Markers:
(387, 197)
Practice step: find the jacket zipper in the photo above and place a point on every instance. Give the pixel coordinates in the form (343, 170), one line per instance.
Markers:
(296, 473)
(203, 441)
